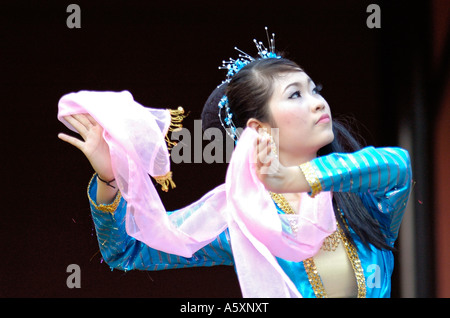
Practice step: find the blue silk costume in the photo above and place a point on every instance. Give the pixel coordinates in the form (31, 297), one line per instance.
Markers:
(381, 176)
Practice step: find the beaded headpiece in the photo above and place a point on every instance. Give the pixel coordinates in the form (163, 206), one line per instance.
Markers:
(234, 66)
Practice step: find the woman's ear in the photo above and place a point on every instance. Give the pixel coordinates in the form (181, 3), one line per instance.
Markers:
(257, 125)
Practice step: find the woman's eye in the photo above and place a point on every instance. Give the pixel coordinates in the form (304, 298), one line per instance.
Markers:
(295, 95)
(317, 89)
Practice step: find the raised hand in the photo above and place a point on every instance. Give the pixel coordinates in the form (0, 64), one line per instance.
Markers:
(93, 145)
(268, 168)
(276, 177)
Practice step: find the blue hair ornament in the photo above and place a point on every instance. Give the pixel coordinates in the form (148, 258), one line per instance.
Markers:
(234, 66)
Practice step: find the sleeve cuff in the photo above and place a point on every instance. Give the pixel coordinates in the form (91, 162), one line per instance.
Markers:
(91, 192)
(312, 178)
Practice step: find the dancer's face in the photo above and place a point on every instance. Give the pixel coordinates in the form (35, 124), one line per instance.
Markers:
(301, 114)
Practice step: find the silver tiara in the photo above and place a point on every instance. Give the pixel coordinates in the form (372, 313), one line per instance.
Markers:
(234, 66)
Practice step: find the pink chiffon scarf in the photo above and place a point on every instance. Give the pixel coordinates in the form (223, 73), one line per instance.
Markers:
(136, 138)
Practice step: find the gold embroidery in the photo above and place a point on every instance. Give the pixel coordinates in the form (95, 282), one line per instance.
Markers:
(286, 207)
(176, 118)
(165, 181)
(330, 243)
(333, 242)
(352, 253)
(314, 278)
(312, 178)
(110, 208)
(281, 201)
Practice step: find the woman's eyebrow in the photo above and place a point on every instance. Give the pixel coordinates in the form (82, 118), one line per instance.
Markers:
(297, 84)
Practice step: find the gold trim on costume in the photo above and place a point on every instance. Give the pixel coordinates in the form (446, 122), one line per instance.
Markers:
(165, 181)
(330, 244)
(110, 208)
(281, 201)
(311, 177)
(352, 253)
(314, 278)
(176, 119)
(286, 207)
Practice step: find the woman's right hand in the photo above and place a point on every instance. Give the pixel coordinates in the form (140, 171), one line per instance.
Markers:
(94, 145)
(275, 176)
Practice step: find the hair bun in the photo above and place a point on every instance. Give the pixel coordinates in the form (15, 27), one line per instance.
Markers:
(210, 109)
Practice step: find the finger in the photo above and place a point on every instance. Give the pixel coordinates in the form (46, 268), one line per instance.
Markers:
(71, 140)
(79, 127)
(263, 160)
(263, 150)
(84, 120)
(269, 145)
(91, 119)
(262, 142)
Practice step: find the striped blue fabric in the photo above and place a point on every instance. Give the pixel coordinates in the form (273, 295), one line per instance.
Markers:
(121, 251)
(382, 177)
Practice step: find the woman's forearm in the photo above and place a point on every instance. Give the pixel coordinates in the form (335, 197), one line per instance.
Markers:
(106, 192)
(374, 170)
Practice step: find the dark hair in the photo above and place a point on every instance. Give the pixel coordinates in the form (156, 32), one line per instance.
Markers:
(250, 90)
(348, 205)
(248, 94)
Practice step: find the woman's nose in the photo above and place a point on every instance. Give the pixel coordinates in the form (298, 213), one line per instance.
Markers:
(317, 104)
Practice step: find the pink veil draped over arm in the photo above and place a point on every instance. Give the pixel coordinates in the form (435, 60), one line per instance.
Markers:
(136, 138)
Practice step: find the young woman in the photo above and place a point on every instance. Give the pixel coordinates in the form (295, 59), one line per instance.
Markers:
(343, 253)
